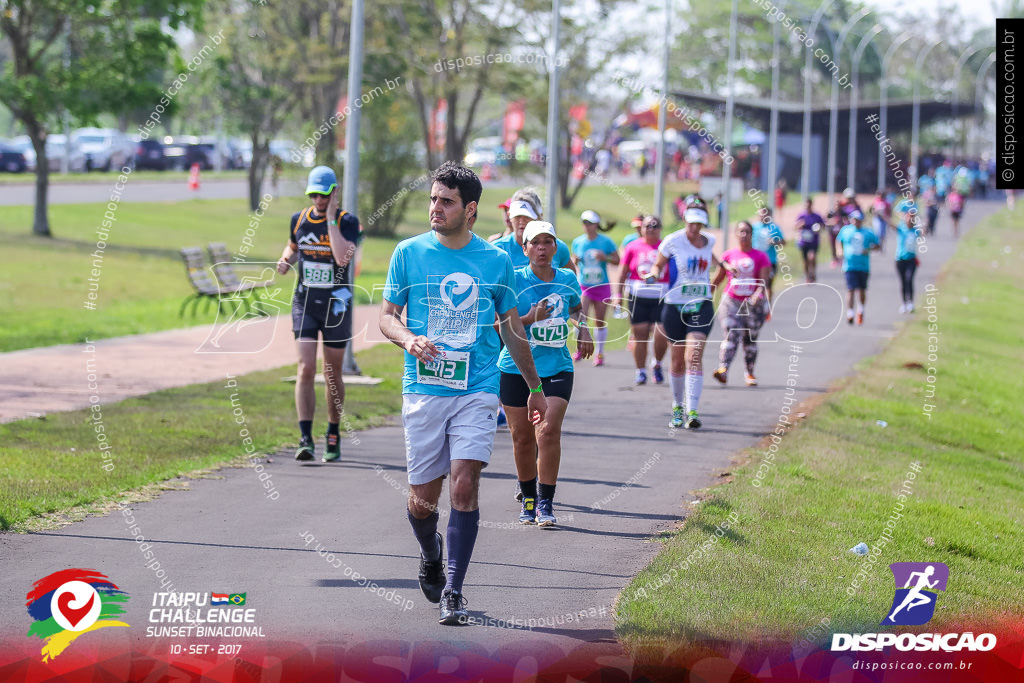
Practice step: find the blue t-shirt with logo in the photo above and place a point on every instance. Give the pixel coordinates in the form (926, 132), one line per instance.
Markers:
(906, 242)
(519, 258)
(451, 297)
(856, 245)
(547, 337)
(591, 271)
(764, 236)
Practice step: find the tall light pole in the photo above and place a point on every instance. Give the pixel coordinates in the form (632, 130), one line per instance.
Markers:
(805, 151)
(915, 126)
(553, 102)
(659, 164)
(883, 98)
(960, 63)
(833, 118)
(351, 178)
(980, 80)
(730, 104)
(851, 150)
(773, 125)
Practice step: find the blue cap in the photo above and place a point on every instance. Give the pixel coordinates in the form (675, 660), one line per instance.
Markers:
(321, 181)
(856, 215)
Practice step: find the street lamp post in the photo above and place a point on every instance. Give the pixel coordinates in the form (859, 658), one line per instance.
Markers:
(851, 150)
(960, 63)
(883, 97)
(349, 366)
(552, 157)
(730, 103)
(805, 150)
(659, 163)
(989, 61)
(833, 121)
(773, 126)
(915, 126)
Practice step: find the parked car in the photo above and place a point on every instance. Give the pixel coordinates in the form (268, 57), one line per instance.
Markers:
(56, 147)
(149, 154)
(176, 151)
(11, 159)
(104, 148)
(23, 144)
(483, 151)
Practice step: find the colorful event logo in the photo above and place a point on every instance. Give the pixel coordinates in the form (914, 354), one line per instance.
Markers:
(69, 603)
(914, 603)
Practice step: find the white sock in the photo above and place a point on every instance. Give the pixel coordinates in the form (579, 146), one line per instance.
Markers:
(849, 312)
(860, 308)
(694, 384)
(678, 384)
(600, 335)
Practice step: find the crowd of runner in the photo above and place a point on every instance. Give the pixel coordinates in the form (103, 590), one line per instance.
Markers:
(486, 326)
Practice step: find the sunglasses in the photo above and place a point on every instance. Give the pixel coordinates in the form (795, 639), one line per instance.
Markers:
(314, 195)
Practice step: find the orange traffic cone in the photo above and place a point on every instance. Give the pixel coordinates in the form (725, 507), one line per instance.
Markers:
(193, 177)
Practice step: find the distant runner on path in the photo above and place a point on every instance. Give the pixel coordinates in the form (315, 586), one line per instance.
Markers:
(450, 284)
(322, 240)
(742, 308)
(688, 311)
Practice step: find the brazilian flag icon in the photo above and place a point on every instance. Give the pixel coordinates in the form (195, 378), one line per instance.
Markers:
(237, 598)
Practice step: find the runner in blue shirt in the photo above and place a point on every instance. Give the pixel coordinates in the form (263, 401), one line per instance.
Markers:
(854, 243)
(549, 299)
(907, 233)
(450, 284)
(592, 253)
(768, 238)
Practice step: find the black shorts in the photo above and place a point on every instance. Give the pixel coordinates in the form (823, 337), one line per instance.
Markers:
(644, 310)
(856, 279)
(678, 324)
(514, 390)
(313, 313)
(806, 249)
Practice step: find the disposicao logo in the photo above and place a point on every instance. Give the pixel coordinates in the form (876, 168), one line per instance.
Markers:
(70, 603)
(914, 603)
(917, 588)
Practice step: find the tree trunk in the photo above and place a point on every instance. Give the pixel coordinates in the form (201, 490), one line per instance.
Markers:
(41, 219)
(258, 170)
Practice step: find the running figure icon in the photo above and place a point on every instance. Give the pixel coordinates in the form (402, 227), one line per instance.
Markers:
(916, 598)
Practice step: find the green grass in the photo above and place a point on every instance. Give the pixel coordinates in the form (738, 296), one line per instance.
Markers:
(783, 566)
(161, 436)
(142, 281)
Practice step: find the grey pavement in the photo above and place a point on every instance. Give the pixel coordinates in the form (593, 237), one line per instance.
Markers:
(230, 533)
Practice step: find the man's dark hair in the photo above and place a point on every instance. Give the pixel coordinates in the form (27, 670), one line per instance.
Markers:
(455, 176)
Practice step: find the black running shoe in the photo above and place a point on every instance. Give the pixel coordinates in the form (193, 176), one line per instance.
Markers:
(432, 578)
(305, 451)
(453, 609)
(332, 453)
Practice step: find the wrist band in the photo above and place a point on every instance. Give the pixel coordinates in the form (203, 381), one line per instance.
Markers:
(332, 223)
(540, 388)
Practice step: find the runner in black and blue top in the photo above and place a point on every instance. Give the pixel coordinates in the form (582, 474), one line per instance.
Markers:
(549, 299)
(322, 240)
(907, 234)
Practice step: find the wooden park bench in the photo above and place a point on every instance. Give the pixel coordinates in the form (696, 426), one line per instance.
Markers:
(208, 289)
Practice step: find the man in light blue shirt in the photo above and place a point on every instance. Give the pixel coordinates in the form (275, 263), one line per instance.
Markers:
(854, 244)
(451, 285)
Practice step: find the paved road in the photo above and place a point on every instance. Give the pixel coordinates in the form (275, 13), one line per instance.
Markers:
(226, 534)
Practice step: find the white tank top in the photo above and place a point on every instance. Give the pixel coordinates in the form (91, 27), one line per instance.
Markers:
(689, 268)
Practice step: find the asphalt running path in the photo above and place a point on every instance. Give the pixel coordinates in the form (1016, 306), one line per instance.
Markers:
(232, 534)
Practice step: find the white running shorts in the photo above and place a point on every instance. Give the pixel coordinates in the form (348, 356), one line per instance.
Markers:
(439, 429)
